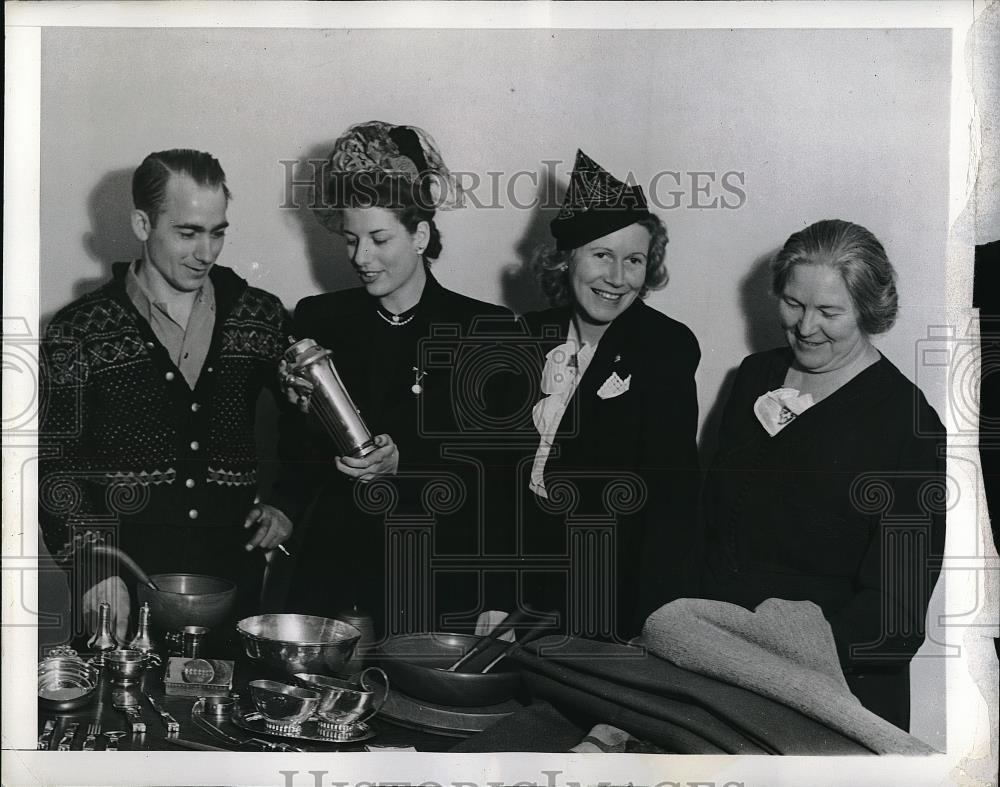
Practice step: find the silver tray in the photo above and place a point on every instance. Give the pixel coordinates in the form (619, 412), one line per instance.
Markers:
(309, 730)
(442, 720)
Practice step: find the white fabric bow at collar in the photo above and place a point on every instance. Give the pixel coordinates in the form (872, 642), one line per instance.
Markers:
(776, 409)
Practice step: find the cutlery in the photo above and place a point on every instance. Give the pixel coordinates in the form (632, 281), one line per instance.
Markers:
(125, 702)
(66, 743)
(93, 730)
(113, 736)
(194, 745)
(532, 634)
(172, 725)
(45, 739)
(513, 619)
(197, 716)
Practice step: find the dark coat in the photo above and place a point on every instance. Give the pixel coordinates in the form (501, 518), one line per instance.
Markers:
(428, 523)
(631, 459)
(844, 507)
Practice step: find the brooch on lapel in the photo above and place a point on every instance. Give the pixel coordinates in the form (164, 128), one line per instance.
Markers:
(418, 375)
(614, 386)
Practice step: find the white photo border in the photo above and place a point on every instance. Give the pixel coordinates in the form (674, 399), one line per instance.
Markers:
(968, 740)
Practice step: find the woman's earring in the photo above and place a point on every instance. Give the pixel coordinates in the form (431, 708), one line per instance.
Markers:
(563, 267)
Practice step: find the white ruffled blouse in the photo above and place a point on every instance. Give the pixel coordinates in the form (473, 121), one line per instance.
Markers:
(565, 366)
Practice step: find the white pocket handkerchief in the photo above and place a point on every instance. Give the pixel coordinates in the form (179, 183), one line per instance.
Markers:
(614, 386)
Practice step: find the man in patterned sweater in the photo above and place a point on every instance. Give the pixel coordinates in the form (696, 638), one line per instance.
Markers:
(149, 390)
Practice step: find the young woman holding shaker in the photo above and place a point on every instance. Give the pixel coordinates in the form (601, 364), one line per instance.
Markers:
(376, 522)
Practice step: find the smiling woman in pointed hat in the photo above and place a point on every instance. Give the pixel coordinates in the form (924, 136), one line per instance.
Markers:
(616, 412)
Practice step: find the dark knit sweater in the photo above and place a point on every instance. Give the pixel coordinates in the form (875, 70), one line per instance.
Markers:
(128, 448)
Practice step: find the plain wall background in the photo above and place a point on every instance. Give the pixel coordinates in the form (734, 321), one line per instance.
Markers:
(824, 124)
(848, 124)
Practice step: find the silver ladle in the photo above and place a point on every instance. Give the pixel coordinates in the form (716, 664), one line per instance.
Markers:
(128, 562)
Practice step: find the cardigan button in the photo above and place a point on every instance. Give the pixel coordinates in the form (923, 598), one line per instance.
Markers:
(189, 483)
(209, 369)
(169, 376)
(150, 345)
(193, 513)
(195, 407)
(195, 445)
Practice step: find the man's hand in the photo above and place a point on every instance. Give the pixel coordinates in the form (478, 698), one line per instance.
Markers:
(297, 389)
(382, 461)
(113, 591)
(273, 527)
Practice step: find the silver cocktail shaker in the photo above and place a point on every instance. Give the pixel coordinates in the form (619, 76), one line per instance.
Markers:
(329, 400)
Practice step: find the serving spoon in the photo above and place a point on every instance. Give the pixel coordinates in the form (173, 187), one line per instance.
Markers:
(128, 562)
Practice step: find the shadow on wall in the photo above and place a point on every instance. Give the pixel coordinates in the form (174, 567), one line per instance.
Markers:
(110, 237)
(762, 332)
(520, 291)
(760, 309)
(328, 261)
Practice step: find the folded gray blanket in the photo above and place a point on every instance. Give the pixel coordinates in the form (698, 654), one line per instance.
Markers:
(676, 709)
(783, 650)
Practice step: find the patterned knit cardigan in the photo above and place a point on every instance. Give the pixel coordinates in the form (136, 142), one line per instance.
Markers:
(127, 446)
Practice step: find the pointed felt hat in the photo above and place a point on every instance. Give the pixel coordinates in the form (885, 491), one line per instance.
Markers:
(596, 204)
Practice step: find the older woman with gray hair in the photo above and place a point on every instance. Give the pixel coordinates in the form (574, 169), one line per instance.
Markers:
(828, 483)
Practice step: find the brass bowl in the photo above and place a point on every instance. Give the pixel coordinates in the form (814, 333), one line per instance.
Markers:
(298, 643)
(188, 600)
(418, 666)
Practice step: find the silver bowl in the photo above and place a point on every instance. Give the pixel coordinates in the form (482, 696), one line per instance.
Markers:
(283, 707)
(125, 666)
(345, 703)
(298, 643)
(65, 684)
(217, 707)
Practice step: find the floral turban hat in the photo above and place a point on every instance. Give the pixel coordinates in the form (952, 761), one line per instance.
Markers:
(377, 152)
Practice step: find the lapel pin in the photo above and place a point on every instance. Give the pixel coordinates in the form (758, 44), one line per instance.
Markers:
(418, 375)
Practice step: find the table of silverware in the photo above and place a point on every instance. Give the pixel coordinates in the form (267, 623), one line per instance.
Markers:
(149, 715)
